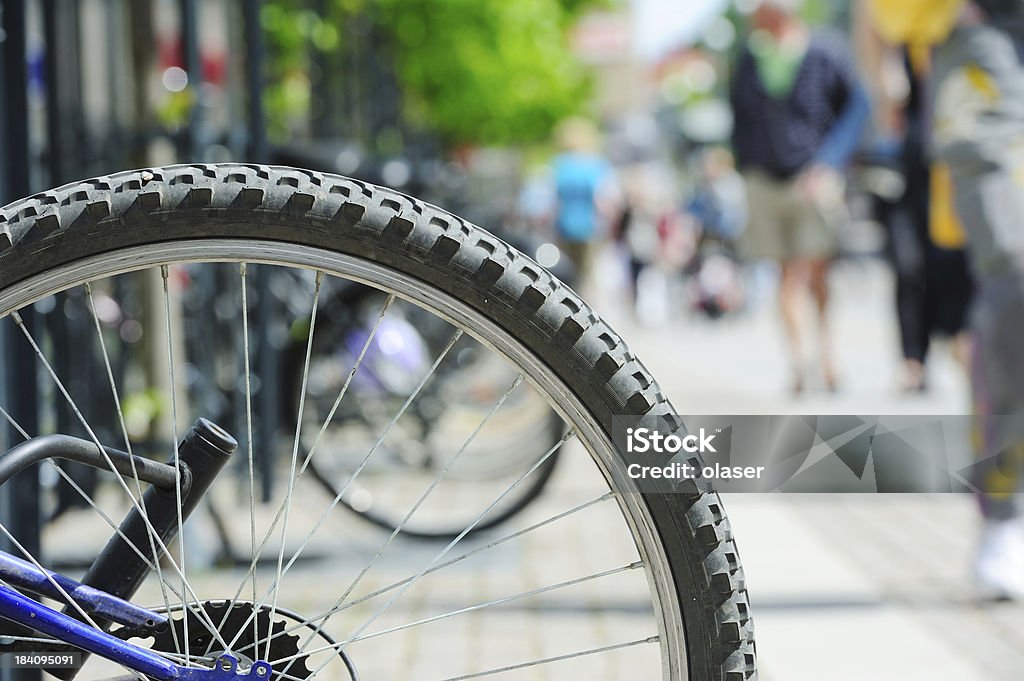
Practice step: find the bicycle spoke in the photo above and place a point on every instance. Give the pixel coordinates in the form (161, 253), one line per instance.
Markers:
(295, 447)
(85, 495)
(164, 275)
(426, 493)
(257, 553)
(175, 657)
(128, 448)
(337, 498)
(26, 639)
(287, 677)
(432, 486)
(14, 424)
(109, 369)
(250, 452)
(557, 658)
(469, 528)
(20, 323)
(348, 381)
(441, 566)
(471, 608)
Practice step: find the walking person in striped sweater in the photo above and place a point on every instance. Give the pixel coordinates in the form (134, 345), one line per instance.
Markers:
(799, 112)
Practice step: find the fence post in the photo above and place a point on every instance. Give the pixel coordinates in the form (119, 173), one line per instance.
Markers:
(18, 389)
(266, 406)
(190, 148)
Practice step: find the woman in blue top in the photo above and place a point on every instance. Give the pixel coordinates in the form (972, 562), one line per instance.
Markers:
(584, 184)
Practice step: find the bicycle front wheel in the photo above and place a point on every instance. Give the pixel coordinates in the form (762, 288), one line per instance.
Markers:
(593, 577)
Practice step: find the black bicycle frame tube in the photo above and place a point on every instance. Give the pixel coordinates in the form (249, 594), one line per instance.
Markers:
(119, 569)
(83, 451)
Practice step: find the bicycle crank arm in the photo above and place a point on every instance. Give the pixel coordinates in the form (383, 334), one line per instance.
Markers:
(25, 611)
(120, 568)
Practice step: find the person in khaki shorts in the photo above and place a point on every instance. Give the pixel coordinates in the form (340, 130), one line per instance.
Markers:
(799, 111)
(790, 223)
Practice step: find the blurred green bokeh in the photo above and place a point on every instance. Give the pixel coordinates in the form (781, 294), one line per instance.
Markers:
(469, 71)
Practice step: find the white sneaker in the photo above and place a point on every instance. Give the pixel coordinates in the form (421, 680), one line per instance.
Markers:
(999, 563)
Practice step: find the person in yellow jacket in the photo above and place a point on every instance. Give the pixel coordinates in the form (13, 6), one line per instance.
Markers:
(933, 284)
(977, 132)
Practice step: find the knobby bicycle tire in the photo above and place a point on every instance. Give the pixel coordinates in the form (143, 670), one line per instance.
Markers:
(110, 214)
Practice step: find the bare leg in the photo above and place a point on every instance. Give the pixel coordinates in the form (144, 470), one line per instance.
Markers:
(912, 378)
(819, 291)
(791, 290)
(962, 349)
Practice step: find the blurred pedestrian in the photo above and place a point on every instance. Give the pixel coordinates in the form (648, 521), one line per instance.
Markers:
(978, 132)
(926, 242)
(654, 241)
(585, 193)
(718, 210)
(719, 200)
(799, 111)
(638, 232)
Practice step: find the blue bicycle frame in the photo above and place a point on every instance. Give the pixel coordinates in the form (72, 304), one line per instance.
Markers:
(202, 453)
(29, 613)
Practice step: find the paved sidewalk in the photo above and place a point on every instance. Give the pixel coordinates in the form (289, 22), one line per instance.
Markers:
(844, 587)
(871, 588)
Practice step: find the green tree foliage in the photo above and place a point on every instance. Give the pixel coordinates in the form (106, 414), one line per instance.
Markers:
(290, 28)
(474, 71)
(490, 71)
